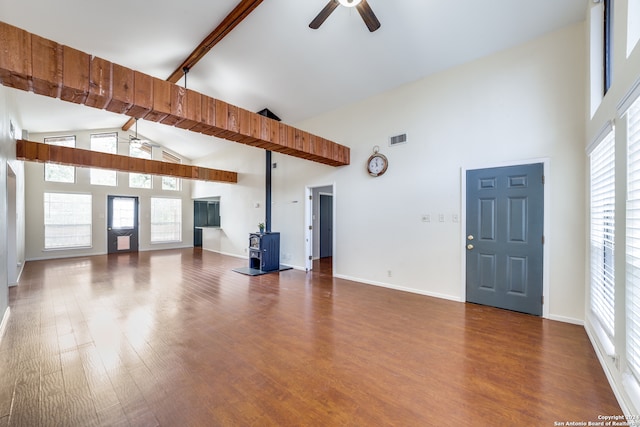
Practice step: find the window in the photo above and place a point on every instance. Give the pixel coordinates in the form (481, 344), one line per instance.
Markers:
(602, 161)
(633, 240)
(171, 183)
(105, 143)
(67, 220)
(140, 180)
(166, 220)
(123, 211)
(608, 43)
(60, 173)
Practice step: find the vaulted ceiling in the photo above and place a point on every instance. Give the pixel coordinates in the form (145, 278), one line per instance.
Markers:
(272, 58)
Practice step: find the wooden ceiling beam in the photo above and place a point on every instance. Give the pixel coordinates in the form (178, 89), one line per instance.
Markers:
(31, 63)
(237, 15)
(46, 153)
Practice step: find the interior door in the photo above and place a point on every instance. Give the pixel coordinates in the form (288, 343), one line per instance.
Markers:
(505, 211)
(326, 225)
(122, 224)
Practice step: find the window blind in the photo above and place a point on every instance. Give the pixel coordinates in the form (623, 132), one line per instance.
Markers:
(633, 240)
(67, 220)
(168, 157)
(166, 220)
(602, 163)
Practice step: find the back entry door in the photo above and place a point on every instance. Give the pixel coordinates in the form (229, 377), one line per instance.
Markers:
(326, 225)
(122, 224)
(505, 211)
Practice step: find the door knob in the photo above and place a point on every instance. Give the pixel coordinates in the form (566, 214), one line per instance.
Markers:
(469, 246)
(470, 237)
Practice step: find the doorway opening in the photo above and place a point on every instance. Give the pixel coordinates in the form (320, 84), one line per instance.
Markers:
(12, 233)
(320, 229)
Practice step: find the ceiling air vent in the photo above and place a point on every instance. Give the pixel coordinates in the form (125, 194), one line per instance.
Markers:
(398, 139)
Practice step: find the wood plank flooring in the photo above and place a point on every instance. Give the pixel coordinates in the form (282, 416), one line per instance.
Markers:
(175, 338)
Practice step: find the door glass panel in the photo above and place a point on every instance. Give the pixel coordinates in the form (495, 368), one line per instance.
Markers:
(123, 213)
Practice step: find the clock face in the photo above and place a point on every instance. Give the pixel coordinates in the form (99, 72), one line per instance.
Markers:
(377, 164)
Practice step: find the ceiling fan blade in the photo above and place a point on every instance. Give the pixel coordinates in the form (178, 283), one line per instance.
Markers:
(368, 16)
(323, 15)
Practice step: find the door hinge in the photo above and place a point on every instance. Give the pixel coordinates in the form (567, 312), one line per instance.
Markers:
(310, 197)
(310, 227)
(542, 298)
(543, 240)
(310, 258)
(542, 179)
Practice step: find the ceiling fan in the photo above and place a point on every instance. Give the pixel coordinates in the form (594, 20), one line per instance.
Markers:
(362, 6)
(135, 141)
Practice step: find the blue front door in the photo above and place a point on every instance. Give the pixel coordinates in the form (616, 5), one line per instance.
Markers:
(505, 210)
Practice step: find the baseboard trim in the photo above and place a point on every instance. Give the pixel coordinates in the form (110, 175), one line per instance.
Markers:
(566, 319)
(295, 267)
(5, 321)
(226, 253)
(602, 358)
(399, 288)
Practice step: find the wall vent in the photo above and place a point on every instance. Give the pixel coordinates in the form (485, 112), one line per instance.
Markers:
(398, 139)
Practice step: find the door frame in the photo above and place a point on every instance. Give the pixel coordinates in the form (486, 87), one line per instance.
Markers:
(546, 164)
(13, 267)
(308, 222)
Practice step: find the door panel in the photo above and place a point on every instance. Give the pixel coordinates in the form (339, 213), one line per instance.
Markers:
(122, 224)
(326, 225)
(505, 209)
(517, 217)
(487, 219)
(487, 271)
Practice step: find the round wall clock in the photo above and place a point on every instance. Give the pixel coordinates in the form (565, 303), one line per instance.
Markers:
(377, 163)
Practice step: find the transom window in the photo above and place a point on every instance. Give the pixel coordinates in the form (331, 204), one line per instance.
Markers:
(105, 143)
(170, 183)
(60, 173)
(140, 180)
(608, 43)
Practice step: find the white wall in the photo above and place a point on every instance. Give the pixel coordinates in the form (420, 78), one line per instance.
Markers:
(15, 210)
(520, 104)
(241, 204)
(37, 187)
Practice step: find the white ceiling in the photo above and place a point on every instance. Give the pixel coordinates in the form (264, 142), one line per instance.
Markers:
(273, 59)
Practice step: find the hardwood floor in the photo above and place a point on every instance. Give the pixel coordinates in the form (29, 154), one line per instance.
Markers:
(175, 338)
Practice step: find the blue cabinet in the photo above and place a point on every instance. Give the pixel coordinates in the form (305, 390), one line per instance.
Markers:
(264, 251)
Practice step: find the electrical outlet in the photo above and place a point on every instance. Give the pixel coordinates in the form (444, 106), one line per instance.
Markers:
(441, 217)
(454, 218)
(388, 273)
(426, 218)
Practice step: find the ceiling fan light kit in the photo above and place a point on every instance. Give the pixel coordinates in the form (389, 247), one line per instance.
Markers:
(363, 8)
(349, 3)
